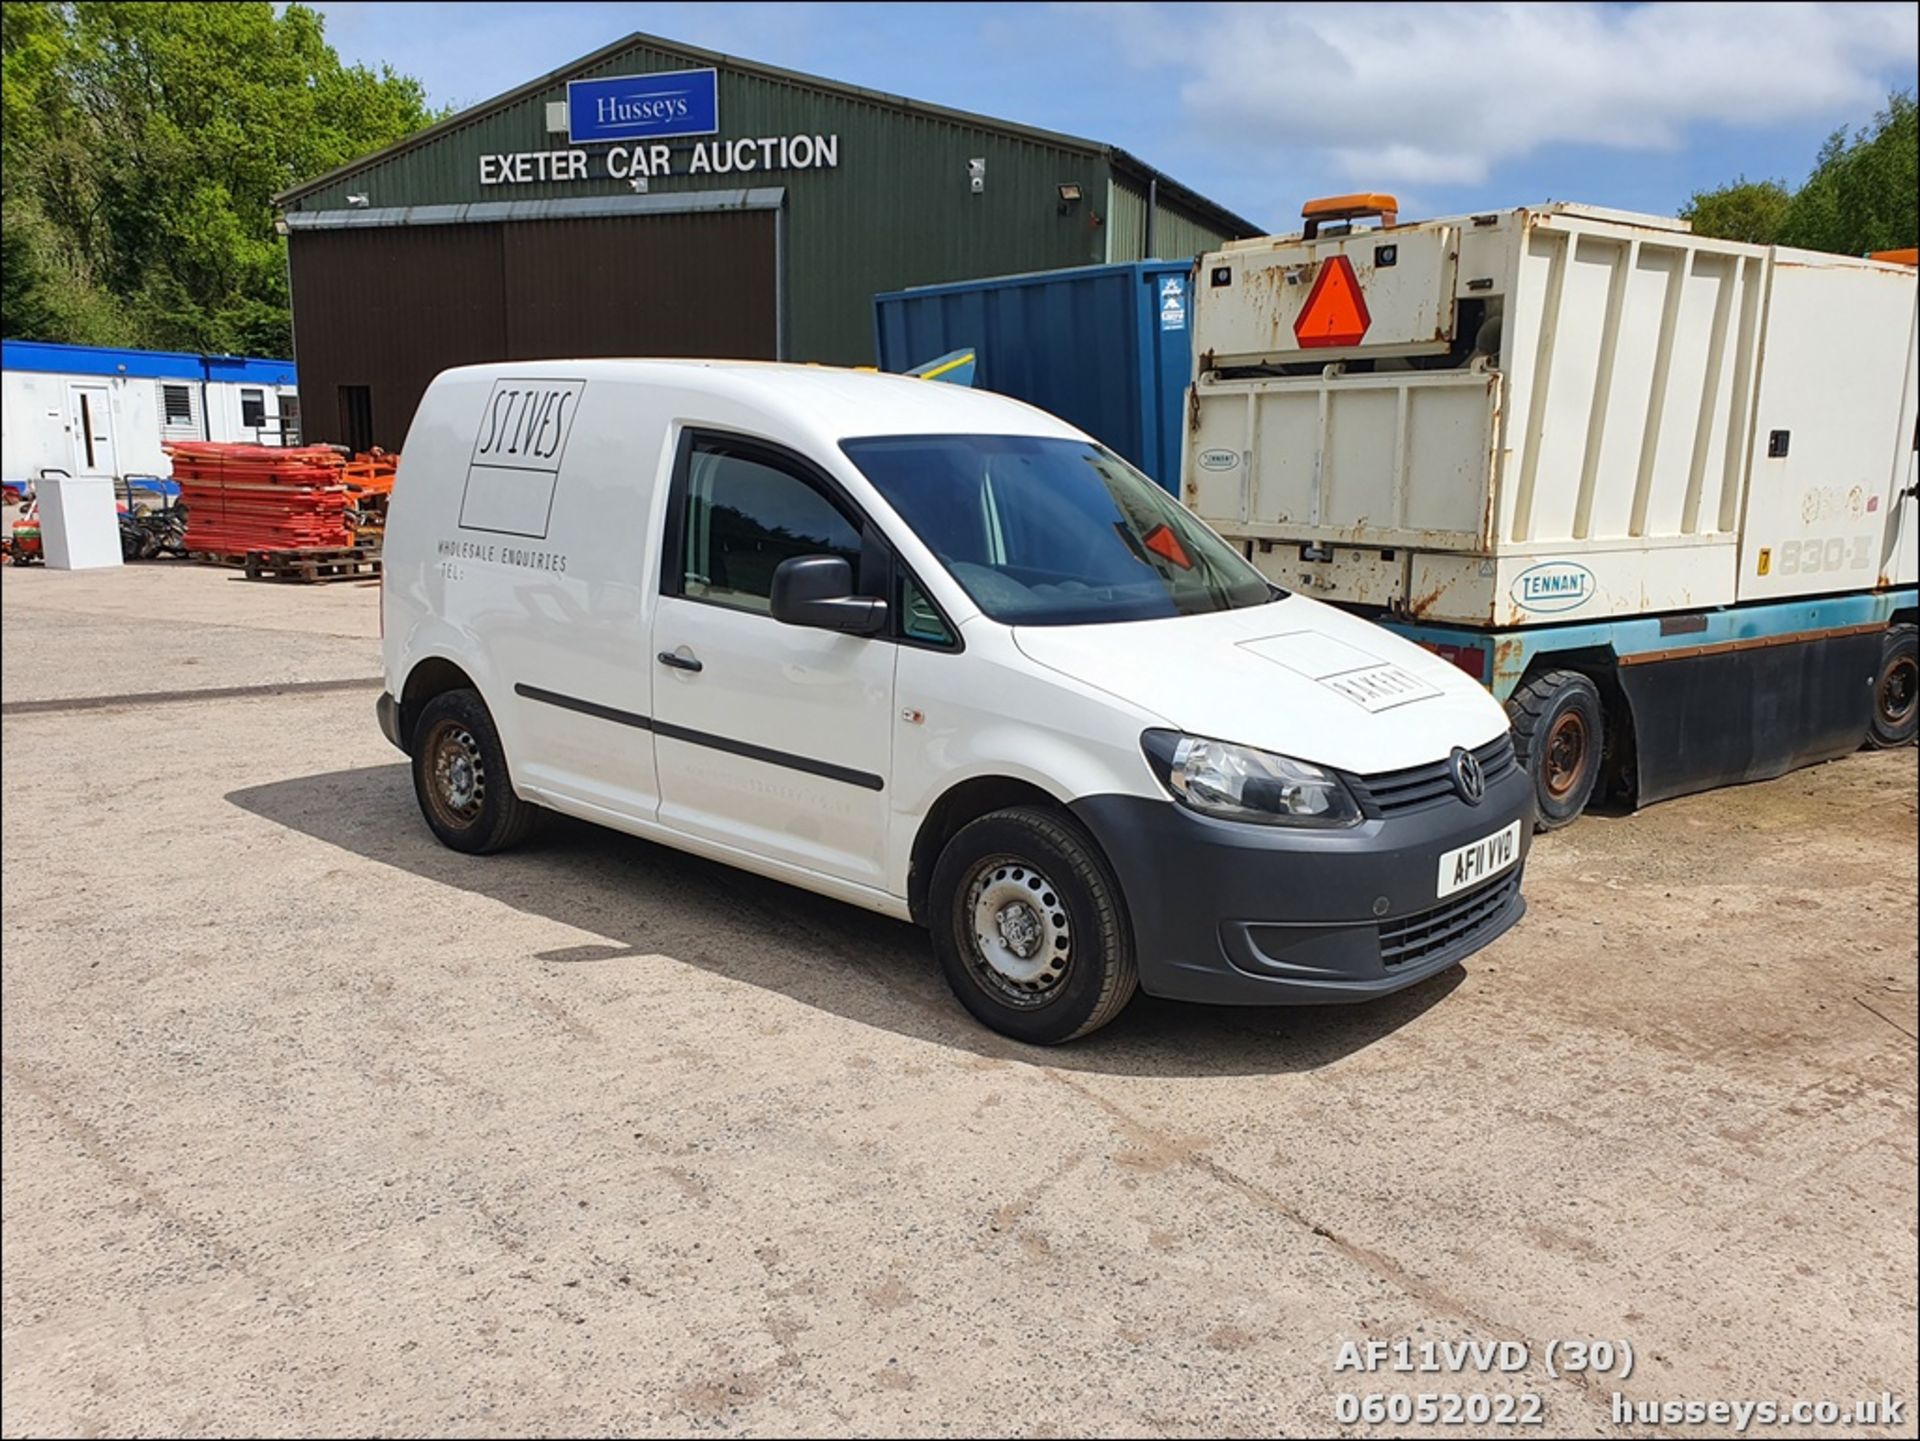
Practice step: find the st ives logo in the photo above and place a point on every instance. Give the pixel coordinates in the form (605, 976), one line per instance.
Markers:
(1557, 585)
(1219, 459)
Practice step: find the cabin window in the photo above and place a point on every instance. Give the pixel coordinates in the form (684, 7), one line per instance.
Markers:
(746, 514)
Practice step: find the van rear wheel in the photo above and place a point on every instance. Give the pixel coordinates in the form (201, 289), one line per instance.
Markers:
(460, 776)
(1030, 930)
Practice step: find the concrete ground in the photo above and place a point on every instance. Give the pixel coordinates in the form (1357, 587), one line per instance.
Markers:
(167, 625)
(312, 1126)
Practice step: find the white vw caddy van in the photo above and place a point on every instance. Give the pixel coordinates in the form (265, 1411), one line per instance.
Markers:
(935, 653)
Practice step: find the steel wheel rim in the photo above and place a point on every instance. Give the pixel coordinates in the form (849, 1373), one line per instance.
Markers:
(456, 775)
(1566, 753)
(1899, 689)
(1017, 933)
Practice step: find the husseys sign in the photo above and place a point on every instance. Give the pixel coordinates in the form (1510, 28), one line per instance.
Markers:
(638, 117)
(643, 107)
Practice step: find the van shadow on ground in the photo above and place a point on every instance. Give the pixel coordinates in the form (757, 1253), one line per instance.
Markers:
(647, 899)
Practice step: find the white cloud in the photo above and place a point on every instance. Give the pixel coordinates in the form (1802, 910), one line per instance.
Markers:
(1439, 93)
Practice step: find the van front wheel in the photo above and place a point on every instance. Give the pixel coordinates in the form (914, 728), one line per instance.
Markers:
(1029, 926)
(460, 776)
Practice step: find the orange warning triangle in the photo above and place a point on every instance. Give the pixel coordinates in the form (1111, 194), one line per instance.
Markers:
(1336, 311)
(1164, 543)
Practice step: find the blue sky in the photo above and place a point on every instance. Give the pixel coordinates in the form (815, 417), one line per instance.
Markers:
(1451, 107)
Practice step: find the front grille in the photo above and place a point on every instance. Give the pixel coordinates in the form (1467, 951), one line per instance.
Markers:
(1392, 792)
(1454, 924)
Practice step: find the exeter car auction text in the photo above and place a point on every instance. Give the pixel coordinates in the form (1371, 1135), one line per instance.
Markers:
(651, 162)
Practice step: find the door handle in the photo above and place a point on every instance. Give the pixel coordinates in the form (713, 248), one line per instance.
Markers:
(679, 662)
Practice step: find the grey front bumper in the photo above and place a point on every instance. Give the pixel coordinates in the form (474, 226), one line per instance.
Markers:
(1266, 915)
(388, 713)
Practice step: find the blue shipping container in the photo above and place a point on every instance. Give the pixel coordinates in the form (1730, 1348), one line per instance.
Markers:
(1104, 347)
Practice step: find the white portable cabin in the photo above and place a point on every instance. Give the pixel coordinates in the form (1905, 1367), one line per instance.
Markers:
(1551, 414)
(103, 412)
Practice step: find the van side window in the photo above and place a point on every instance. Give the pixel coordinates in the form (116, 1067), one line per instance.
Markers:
(746, 515)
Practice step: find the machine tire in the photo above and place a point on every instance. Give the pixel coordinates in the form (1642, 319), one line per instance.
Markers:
(1559, 731)
(1895, 718)
(460, 777)
(1075, 911)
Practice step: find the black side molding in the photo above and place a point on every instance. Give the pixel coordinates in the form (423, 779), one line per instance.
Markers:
(827, 770)
(585, 707)
(866, 780)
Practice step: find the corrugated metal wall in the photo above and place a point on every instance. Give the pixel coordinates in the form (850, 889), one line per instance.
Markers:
(643, 285)
(390, 307)
(1178, 234)
(389, 311)
(1093, 346)
(897, 211)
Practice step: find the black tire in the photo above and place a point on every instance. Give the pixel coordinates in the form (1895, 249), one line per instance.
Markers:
(1075, 906)
(460, 777)
(1559, 731)
(1896, 690)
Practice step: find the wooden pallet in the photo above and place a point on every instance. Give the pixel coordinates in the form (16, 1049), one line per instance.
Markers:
(231, 559)
(310, 567)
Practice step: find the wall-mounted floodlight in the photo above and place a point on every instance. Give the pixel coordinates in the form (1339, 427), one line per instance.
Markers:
(357, 202)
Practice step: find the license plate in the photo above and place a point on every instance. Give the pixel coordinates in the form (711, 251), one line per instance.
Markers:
(1469, 865)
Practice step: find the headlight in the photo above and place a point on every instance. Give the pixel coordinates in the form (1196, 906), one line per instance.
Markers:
(1239, 783)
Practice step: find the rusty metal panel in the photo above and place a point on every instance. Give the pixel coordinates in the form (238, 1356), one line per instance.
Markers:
(1388, 458)
(1612, 430)
(1371, 577)
(661, 285)
(1257, 293)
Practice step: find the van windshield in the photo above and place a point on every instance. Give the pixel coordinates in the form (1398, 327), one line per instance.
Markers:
(1042, 531)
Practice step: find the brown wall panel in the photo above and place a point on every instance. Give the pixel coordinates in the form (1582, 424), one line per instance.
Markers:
(390, 307)
(699, 284)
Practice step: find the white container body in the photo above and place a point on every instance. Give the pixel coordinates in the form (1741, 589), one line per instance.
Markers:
(1558, 414)
(79, 528)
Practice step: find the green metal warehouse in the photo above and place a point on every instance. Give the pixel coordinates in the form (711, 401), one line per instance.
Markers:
(657, 199)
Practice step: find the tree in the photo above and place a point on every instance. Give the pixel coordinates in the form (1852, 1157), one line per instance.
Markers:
(144, 144)
(1749, 210)
(1863, 194)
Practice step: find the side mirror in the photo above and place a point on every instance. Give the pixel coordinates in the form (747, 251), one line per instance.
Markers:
(817, 590)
